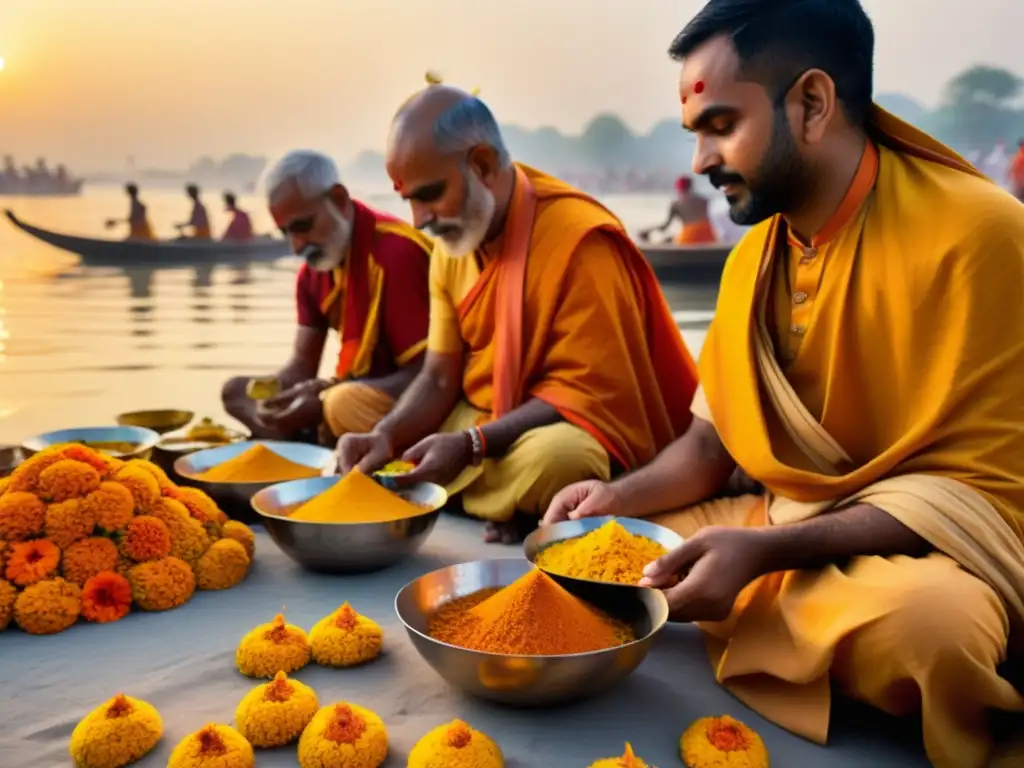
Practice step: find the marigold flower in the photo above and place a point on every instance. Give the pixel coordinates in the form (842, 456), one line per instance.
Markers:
(117, 733)
(343, 735)
(32, 561)
(67, 479)
(146, 538)
(189, 540)
(628, 760)
(22, 515)
(158, 474)
(345, 638)
(241, 533)
(722, 742)
(86, 455)
(8, 594)
(84, 559)
(222, 566)
(215, 746)
(274, 714)
(271, 648)
(5, 483)
(25, 477)
(456, 745)
(159, 585)
(106, 597)
(66, 523)
(111, 506)
(199, 505)
(143, 486)
(48, 607)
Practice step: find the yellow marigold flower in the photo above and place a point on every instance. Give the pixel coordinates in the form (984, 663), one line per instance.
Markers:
(8, 594)
(160, 585)
(146, 538)
(66, 523)
(271, 648)
(215, 746)
(111, 506)
(48, 607)
(162, 480)
(84, 559)
(189, 540)
(199, 505)
(722, 742)
(345, 638)
(456, 745)
(222, 566)
(25, 477)
(274, 714)
(143, 486)
(67, 479)
(117, 733)
(343, 735)
(22, 515)
(32, 561)
(628, 760)
(240, 532)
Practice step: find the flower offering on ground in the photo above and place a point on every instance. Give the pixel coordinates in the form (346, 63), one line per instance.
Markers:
(115, 734)
(610, 553)
(627, 760)
(456, 745)
(83, 534)
(345, 638)
(722, 742)
(214, 746)
(343, 735)
(276, 713)
(272, 648)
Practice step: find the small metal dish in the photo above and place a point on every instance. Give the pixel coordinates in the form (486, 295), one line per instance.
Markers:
(142, 439)
(160, 421)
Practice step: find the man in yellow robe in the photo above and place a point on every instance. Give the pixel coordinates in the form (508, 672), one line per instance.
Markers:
(866, 366)
(552, 356)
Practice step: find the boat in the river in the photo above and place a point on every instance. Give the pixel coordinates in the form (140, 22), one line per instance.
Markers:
(128, 253)
(687, 264)
(43, 188)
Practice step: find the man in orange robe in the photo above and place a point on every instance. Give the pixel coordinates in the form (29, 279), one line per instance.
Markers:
(239, 230)
(552, 356)
(1017, 172)
(364, 276)
(691, 210)
(866, 366)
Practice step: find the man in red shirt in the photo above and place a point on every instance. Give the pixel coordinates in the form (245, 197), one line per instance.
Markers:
(365, 276)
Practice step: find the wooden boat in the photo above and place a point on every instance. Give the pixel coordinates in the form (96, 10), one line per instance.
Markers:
(126, 253)
(687, 264)
(47, 189)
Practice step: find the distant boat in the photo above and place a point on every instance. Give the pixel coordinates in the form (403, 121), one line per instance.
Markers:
(687, 264)
(144, 253)
(40, 188)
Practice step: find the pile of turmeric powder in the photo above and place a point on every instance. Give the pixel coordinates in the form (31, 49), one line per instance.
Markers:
(357, 498)
(258, 464)
(610, 553)
(532, 616)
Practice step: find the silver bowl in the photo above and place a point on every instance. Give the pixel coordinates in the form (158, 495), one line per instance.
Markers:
(143, 439)
(192, 465)
(344, 547)
(528, 681)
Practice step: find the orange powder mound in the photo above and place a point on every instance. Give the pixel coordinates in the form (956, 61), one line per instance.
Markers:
(356, 498)
(258, 464)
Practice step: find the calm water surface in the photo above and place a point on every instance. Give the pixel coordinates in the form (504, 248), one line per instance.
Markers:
(79, 345)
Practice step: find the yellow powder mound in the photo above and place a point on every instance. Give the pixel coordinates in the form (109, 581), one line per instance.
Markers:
(356, 498)
(610, 553)
(258, 464)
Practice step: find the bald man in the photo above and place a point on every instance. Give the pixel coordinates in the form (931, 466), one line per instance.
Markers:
(365, 277)
(691, 210)
(552, 356)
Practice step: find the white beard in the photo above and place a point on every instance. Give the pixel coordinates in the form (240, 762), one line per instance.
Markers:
(335, 250)
(471, 224)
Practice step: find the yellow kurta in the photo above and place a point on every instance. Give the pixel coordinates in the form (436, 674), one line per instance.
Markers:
(880, 363)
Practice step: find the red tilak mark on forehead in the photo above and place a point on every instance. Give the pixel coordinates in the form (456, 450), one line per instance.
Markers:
(698, 87)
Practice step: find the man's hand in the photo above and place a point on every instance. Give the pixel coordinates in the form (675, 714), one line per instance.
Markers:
(715, 565)
(590, 498)
(366, 452)
(293, 410)
(438, 459)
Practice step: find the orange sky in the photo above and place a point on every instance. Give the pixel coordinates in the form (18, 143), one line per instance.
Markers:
(93, 81)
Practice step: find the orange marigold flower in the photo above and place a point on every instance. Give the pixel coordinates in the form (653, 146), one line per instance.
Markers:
(26, 476)
(86, 455)
(189, 539)
(143, 486)
(160, 585)
(48, 607)
(106, 597)
(21, 515)
(162, 480)
(85, 558)
(711, 742)
(222, 566)
(4, 483)
(66, 523)
(215, 746)
(146, 538)
(8, 594)
(199, 505)
(111, 506)
(67, 479)
(241, 533)
(345, 735)
(32, 561)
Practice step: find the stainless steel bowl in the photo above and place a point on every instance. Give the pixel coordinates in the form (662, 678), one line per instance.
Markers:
(10, 457)
(344, 547)
(143, 439)
(161, 421)
(529, 681)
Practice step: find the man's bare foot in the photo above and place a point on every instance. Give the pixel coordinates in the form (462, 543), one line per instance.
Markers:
(512, 531)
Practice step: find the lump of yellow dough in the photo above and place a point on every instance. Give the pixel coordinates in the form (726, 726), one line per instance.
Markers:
(345, 638)
(343, 735)
(272, 648)
(274, 714)
(628, 760)
(215, 746)
(714, 742)
(116, 733)
(456, 745)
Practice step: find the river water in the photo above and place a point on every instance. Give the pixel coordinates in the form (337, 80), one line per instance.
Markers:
(79, 345)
